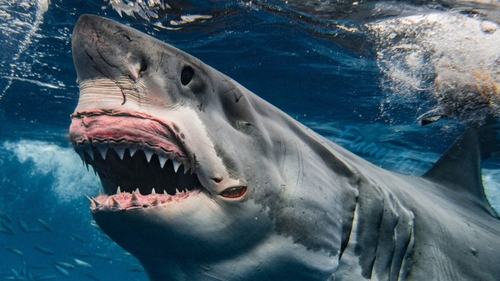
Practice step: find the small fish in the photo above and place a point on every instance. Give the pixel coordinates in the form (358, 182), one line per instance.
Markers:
(64, 265)
(15, 251)
(23, 225)
(103, 256)
(81, 263)
(44, 250)
(5, 217)
(77, 237)
(15, 275)
(23, 270)
(62, 271)
(6, 229)
(45, 225)
(94, 224)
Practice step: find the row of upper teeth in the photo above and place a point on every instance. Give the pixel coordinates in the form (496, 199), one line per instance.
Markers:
(153, 192)
(120, 150)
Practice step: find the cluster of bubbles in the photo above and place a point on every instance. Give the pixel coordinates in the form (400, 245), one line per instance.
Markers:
(146, 9)
(447, 58)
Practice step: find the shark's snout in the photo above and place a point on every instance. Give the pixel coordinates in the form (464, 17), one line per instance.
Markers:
(104, 49)
(123, 64)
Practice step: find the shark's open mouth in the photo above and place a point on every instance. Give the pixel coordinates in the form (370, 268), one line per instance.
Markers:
(141, 161)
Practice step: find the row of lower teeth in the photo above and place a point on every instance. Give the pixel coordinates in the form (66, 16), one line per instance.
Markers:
(132, 150)
(136, 199)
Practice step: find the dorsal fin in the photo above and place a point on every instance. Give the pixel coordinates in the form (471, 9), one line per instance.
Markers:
(460, 169)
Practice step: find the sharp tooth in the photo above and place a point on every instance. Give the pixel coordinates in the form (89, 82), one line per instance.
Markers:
(186, 169)
(118, 190)
(177, 191)
(137, 190)
(149, 155)
(165, 193)
(88, 149)
(153, 191)
(106, 202)
(163, 160)
(103, 149)
(116, 204)
(93, 203)
(132, 151)
(155, 201)
(134, 200)
(120, 151)
(176, 165)
(80, 152)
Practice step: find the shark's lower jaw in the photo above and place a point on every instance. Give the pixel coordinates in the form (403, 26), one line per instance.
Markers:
(135, 172)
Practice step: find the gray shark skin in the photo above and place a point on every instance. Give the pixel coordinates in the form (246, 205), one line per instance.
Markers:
(206, 181)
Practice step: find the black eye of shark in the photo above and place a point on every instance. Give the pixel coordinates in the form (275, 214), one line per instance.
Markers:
(187, 75)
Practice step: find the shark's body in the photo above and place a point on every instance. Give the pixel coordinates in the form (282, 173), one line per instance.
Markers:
(260, 196)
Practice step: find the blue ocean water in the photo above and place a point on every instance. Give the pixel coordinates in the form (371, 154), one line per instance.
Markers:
(359, 73)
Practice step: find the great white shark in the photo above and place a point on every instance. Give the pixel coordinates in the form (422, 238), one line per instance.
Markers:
(204, 180)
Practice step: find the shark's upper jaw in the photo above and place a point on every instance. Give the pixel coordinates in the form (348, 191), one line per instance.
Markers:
(139, 159)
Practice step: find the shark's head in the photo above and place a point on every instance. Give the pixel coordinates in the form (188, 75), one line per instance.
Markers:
(202, 178)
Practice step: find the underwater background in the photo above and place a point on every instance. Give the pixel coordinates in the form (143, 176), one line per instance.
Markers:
(364, 74)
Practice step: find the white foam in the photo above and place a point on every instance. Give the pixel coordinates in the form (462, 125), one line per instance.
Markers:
(413, 50)
(71, 179)
(145, 9)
